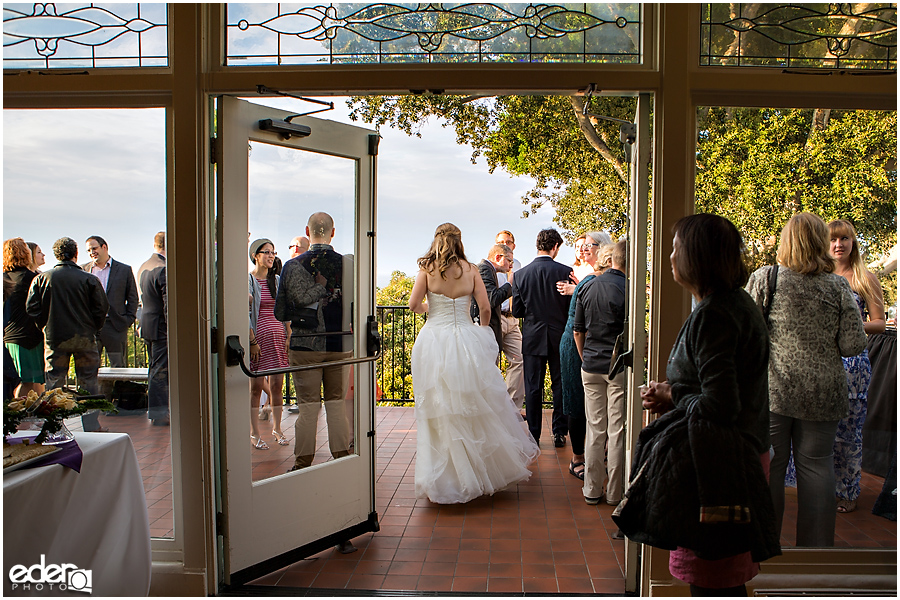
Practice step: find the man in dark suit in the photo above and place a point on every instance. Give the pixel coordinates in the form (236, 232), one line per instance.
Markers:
(544, 311)
(499, 260)
(154, 331)
(121, 292)
(157, 259)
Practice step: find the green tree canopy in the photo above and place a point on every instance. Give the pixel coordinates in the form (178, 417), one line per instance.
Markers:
(756, 167)
(580, 171)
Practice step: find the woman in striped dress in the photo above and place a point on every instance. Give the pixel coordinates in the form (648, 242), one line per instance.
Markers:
(268, 335)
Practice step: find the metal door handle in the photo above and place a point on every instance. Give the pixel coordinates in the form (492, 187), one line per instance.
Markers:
(234, 354)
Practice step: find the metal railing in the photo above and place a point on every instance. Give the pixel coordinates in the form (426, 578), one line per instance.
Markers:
(399, 327)
(393, 371)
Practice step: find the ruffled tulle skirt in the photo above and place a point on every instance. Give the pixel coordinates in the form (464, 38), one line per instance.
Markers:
(471, 439)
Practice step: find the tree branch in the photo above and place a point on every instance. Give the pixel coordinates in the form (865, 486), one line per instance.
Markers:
(595, 140)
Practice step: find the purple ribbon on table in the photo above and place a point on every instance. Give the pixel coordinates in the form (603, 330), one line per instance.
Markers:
(69, 455)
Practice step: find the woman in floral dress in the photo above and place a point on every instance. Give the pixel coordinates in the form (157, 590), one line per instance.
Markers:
(870, 300)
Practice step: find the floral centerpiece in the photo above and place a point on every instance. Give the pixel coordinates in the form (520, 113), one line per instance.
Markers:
(52, 407)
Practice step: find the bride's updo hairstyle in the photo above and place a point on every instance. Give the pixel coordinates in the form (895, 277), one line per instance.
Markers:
(446, 250)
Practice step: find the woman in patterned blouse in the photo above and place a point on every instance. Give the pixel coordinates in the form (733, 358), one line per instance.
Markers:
(813, 322)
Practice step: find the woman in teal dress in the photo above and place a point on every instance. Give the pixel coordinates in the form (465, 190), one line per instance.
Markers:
(570, 363)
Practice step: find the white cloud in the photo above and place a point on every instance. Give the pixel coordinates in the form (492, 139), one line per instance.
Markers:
(87, 172)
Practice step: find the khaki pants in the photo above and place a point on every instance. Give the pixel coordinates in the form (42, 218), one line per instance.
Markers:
(604, 407)
(309, 386)
(512, 347)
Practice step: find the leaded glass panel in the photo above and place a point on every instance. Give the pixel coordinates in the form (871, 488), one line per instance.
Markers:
(348, 33)
(834, 36)
(82, 36)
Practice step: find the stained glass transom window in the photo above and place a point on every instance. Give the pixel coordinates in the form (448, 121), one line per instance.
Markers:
(80, 36)
(355, 33)
(836, 36)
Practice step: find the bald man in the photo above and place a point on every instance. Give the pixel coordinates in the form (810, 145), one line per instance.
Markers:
(311, 296)
(298, 246)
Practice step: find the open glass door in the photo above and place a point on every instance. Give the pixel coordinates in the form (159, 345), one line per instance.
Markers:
(639, 170)
(273, 173)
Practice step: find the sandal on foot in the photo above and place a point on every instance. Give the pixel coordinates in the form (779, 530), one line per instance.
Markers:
(573, 469)
(279, 437)
(846, 506)
(258, 442)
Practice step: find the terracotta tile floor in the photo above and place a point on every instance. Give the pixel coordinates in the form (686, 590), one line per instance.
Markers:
(539, 537)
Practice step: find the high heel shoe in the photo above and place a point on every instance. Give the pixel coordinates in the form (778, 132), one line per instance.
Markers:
(279, 437)
(258, 442)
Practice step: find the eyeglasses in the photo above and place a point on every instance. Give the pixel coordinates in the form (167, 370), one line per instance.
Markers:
(293, 246)
(268, 252)
(591, 246)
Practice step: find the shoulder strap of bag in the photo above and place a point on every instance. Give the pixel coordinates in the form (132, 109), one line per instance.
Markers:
(772, 281)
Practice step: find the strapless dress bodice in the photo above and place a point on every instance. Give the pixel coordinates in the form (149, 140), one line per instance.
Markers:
(446, 311)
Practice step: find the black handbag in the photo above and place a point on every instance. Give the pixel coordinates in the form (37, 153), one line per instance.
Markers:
(306, 318)
(772, 280)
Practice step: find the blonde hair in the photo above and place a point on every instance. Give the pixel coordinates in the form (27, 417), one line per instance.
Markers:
(604, 257)
(446, 250)
(804, 245)
(860, 281)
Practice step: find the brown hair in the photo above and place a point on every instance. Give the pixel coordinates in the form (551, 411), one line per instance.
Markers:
(804, 245)
(446, 250)
(16, 254)
(32, 247)
(711, 256)
(860, 282)
(548, 239)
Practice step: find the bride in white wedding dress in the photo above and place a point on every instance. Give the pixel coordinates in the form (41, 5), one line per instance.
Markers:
(471, 440)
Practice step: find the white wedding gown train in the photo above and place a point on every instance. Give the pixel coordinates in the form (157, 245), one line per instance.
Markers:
(471, 438)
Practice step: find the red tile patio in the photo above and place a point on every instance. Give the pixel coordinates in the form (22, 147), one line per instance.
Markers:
(538, 537)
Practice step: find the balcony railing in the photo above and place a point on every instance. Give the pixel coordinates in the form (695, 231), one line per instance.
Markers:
(393, 372)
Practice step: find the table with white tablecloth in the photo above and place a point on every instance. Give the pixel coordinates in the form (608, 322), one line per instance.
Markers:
(95, 520)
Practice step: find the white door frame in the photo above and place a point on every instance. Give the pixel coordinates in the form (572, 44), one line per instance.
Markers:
(332, 501)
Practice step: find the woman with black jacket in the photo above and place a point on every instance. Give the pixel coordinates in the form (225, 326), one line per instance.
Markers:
(717, 376)
(21, 335)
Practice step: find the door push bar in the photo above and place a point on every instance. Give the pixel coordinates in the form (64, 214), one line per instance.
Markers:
(234, 353)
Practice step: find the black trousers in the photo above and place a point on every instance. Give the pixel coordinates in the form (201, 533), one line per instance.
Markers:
(114, 342)
(535, 368)
(158, 380)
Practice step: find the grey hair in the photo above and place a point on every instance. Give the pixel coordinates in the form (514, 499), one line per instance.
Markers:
(600, 237)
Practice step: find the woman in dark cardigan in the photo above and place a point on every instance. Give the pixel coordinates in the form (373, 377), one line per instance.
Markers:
(717, 369)
(22, 337)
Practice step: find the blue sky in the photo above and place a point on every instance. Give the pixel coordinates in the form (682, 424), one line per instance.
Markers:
(100, 172)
